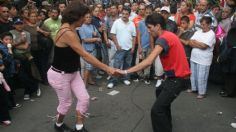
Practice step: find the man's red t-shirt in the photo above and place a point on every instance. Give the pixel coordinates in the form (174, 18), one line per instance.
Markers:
(173, 57)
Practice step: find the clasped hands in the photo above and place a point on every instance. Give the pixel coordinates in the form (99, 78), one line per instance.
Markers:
(116, 72)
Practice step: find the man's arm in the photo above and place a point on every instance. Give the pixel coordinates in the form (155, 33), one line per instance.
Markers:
(116, 41)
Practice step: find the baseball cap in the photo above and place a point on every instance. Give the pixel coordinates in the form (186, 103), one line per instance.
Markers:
(17, 20)
(165, 8)
(46, 3)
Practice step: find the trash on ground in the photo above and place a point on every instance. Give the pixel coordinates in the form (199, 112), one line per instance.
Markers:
(114, 92)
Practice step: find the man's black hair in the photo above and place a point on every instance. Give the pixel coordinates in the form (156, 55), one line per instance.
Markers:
(155, 19)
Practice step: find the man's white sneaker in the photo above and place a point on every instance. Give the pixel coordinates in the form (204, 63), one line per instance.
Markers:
(158, 83)
(148, 82)
(233, 125)
(127, 82)
(38, 92)
(110, 85)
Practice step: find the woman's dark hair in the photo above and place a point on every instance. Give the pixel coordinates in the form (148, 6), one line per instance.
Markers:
(155, 19)
(207, 19)
(74, 11)
(3, 35)
(185, 18)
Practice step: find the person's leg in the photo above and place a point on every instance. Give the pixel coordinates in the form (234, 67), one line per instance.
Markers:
(193, 76)
(82, 97)
(118, 63)
(203, 73)
(127, 63)
(86, 77)
(61, 83)
(4, 112)
(160, 112)
(230, 85)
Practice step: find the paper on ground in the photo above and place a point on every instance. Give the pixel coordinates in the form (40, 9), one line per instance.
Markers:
(114, 92)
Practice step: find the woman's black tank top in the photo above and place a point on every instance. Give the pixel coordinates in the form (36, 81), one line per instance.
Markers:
(66, 59)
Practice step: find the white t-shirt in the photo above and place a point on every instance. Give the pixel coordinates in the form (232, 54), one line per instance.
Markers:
(124, 33)
(203, 56)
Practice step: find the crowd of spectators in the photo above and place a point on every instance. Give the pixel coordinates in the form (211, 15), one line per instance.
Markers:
(115, 33)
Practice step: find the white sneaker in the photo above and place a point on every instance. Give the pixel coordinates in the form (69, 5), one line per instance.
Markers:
(38, 92)
(148, 82)
(233, 125)
(110, 85)
(98, 77)
(127, 82)
(158, 84)
(136, 80)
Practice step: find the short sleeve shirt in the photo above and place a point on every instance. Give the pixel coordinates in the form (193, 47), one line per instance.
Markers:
(124, 33)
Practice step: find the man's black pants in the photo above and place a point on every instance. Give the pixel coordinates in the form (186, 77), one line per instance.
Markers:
(161, 110)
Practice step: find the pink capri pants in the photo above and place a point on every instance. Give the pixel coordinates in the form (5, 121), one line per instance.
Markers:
(65, 84)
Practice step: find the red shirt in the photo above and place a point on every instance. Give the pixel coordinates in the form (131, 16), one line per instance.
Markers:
(173, 57)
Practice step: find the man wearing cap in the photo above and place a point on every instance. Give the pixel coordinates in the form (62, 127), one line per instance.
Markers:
(5, 24)
(170, 25)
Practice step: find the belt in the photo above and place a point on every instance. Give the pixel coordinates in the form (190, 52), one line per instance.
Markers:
(56, 70)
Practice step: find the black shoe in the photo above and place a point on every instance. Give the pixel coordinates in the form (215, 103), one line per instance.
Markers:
(82, 130)
(62, 128)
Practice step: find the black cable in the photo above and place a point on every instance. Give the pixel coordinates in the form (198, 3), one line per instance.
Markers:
(138, 107)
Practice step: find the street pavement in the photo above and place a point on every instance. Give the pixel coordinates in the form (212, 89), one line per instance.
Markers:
(127, 111)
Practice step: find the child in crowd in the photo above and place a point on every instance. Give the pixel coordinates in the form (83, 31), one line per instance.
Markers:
(185, 33)
(21, 41)
(4, 89)
(10, 65)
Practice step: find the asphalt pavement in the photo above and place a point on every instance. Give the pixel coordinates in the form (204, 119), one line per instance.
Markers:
(127, 109)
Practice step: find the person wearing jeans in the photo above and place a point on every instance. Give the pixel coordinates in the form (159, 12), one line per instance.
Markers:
(176, 68)
(123, 34)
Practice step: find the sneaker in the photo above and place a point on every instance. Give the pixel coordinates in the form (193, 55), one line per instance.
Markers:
(6, 122)
(110, 85)
(39, 92)
(233, 125)
(127, 82)
(136, 80)
(101, 72)
(158, 84)
(148, 82)
(98, 76)
(62, 128)
(109, 77)
(82, 130)
(17, 106)
(26, 97)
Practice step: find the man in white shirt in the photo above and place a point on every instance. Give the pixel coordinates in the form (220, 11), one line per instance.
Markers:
(123, 35)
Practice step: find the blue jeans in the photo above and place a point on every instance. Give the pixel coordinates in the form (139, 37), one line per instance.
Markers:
(122, 58)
